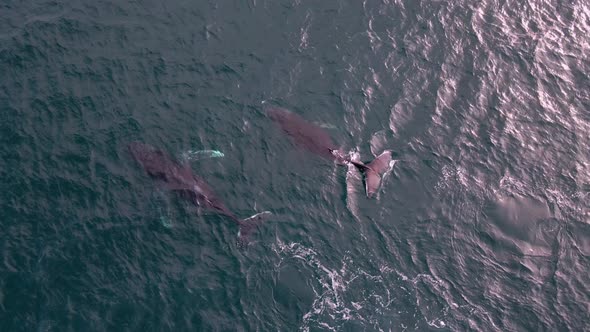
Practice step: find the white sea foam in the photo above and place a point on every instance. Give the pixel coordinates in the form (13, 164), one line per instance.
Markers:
(342, 290)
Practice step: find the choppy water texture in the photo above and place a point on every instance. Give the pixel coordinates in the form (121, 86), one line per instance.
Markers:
(482, 224)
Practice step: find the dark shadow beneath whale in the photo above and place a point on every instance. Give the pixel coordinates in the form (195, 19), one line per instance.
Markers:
(317, 140)
(181, 180)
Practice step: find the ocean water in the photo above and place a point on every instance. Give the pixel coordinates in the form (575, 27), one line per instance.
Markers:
(482, 224)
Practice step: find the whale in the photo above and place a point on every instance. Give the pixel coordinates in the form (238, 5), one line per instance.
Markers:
(179, 178)
(315, 139)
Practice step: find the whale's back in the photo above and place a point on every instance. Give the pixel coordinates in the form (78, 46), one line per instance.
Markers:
(304, 133)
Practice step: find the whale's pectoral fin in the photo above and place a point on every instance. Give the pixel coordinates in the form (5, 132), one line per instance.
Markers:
(161, 200)
(194, 155)
(374, 172)
(247, 226)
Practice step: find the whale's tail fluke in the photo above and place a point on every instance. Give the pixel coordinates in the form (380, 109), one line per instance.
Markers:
(374, 171)
(249, 225)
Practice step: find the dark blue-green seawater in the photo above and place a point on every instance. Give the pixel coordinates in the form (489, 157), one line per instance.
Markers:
(483, 223)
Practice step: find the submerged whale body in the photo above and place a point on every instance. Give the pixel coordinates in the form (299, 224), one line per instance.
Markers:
(315, 139)
(181, 179)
